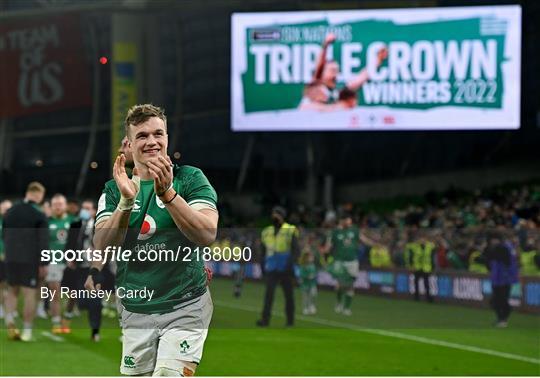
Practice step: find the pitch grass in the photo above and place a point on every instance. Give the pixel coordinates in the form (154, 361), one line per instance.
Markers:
(324, 344)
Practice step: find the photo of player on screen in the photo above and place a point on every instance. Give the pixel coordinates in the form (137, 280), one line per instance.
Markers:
(323, 94)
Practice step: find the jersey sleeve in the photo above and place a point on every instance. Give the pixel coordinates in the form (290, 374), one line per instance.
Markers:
(107, 203)
(199, 193)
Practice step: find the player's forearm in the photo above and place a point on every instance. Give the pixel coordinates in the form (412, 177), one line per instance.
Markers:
(321, 62)
(111, 232)
(358, 80)
(195, 225)
(364, 239)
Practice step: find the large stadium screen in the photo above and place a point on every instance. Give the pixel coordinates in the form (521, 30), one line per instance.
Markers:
(398, 69)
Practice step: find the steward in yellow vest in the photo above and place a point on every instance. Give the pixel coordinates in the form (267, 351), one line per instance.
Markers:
(419, 258)
(277, 243)
(280, 248)
(477, 263)
(379, 257)
(528, 263)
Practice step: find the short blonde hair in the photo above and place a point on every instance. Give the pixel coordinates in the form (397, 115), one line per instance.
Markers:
(35, 187)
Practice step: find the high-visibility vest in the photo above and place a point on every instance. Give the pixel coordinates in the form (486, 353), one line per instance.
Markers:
(408, 253)
(474, 266)
(528, 266)
(419, 257)
(278, 246)
(379, 257)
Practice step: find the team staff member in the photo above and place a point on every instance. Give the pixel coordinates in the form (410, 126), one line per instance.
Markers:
(80, 236)
(168, 205)
(504, 272)
(280, 248)
(25, 233)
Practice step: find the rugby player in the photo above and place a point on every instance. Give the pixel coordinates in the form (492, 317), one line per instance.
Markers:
(343, 244)
(323, 94)
(167, 205)
(59, 223)
(25, 235)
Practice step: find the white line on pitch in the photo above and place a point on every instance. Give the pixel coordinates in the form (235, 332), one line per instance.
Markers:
(53, 337)
(397, 335)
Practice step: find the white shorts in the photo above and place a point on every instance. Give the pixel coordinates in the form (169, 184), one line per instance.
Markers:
(164, 340)
(55, 273)
(352, 267)
(346, 268)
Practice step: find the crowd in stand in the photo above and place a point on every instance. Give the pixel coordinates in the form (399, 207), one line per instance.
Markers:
(457, 223)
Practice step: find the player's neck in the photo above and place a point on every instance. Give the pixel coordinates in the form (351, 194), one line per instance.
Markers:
(143, 172)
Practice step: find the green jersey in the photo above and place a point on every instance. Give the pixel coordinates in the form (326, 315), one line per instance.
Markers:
(308, 275)
(58, 231)
(175, 281)
(345, 243)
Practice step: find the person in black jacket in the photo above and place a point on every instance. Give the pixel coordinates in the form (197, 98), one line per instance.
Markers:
(25, 232)
(503, 268)
(80, 236)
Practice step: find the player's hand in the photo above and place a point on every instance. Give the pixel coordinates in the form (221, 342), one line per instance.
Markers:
(89, 284)
(160, 169)
(330, 38)
(209, 275)
(128, 187)
(382, 55)
(94, 280)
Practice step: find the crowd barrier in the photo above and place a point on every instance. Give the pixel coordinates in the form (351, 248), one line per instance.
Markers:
(455, 287)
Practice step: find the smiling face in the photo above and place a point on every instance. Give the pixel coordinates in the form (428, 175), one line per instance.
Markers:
(58, 206)
(126, 150)
(148, 140)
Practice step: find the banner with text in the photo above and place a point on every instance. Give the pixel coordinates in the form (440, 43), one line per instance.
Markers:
(42, 68)
(459, 287)
(401, 69)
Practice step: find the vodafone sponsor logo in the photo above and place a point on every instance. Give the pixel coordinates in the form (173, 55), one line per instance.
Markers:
(148, 228)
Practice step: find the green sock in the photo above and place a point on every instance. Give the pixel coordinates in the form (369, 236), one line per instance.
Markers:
(348, 301)
(339, 296)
